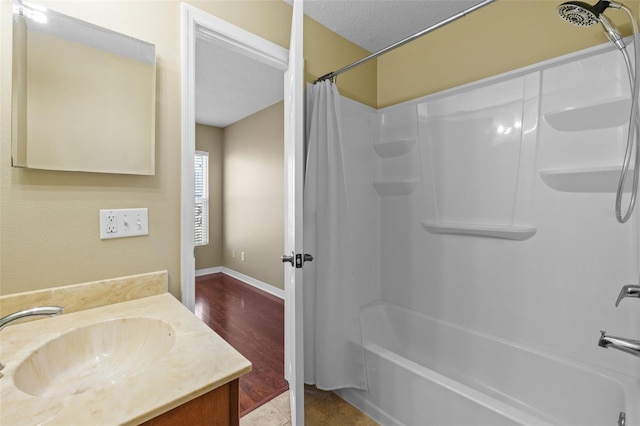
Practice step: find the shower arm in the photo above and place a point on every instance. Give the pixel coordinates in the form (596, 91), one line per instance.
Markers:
(334, 74)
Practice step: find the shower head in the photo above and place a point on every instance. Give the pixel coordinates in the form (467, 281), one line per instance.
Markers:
(585, 15)
(582, 14)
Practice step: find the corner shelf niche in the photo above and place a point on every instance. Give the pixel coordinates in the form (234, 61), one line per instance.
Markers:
(394, 148)
(391, 188)
(604, 114)
(505, 232)
(586, 179)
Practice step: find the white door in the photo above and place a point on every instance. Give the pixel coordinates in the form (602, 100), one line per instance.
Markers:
(294, 176)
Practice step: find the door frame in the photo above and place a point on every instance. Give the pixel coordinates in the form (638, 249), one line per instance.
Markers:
(197, 23)
(293, 238)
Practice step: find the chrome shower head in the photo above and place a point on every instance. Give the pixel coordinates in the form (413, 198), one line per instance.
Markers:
(585, 15)
(582, 14)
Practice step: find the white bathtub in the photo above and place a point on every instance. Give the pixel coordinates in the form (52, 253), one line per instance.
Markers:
(426, 371)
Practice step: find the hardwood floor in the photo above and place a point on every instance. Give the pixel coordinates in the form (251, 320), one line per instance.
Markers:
(252, 321)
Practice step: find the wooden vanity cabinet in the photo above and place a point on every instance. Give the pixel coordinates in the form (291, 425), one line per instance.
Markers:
(218, 407)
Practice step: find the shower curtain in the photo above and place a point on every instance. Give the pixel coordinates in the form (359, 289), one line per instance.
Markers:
(334, 356)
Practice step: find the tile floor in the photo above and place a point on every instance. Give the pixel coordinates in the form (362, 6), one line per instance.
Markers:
(321, 409)
(273, 413)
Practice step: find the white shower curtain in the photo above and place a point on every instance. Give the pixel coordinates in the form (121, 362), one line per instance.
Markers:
(334, 356)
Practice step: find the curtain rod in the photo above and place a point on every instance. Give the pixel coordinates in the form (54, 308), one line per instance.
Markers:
(334, 74)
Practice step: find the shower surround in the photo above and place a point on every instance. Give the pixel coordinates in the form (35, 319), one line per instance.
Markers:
(489, 252)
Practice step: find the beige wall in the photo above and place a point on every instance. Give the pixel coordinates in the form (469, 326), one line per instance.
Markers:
(325, 52)
(254, 195)
(49, 220)
(503, 36)
(246, 190)
(49, 223)
(49, 232)
(210, 139)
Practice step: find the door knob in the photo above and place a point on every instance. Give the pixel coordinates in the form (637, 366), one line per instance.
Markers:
(297, 260)
(291, 259)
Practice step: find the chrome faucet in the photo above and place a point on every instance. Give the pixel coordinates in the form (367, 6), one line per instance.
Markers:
(629, 346)
(630, 290)
(50, 311)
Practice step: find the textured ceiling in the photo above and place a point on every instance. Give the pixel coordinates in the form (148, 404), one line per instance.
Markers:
(376, 24)
(230, 86)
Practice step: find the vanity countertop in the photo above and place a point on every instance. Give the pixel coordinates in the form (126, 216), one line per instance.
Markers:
(198, 362)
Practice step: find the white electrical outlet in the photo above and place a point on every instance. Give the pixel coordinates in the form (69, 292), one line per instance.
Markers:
(120, 223)
(242, 256)
(111, 226)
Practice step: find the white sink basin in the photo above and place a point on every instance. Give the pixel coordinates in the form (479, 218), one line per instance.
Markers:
(94, 357)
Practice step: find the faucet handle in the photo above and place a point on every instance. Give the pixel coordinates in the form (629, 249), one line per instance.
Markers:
(601, 341)
(629, 290)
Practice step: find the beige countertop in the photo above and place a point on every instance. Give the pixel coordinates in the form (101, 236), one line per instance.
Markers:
(198, 361)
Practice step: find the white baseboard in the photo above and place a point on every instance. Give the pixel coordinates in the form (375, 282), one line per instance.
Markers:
(261, 285)
(207, 271)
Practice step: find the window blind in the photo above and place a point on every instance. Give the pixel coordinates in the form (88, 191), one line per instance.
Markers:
(201, 189)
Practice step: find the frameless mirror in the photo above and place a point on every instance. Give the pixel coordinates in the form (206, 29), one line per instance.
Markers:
(83, 96)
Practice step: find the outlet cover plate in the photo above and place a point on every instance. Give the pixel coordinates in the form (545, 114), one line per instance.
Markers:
(121, 223)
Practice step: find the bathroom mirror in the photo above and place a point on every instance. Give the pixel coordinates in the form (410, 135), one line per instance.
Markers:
(83, 96)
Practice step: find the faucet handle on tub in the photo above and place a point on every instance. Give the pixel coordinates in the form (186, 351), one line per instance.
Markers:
(629, 290)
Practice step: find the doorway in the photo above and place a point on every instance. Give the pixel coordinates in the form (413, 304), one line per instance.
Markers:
(243, 58)
(198, 23)
(233, 109)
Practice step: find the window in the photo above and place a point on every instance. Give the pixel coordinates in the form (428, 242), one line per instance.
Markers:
(201, 217)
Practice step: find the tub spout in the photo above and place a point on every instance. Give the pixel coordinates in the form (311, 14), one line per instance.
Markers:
(629, 346)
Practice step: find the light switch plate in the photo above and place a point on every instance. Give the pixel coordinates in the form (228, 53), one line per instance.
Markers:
(121, 223)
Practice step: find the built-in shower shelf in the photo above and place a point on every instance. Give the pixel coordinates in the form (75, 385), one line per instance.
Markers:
(505, 232)
(587, 179)
(403, 187)
(394, 148)
(604, 114)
